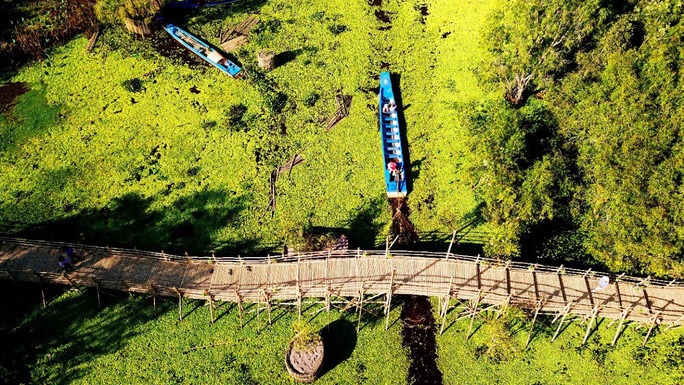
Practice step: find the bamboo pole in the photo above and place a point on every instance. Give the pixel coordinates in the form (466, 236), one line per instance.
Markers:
(654, 321)
(473, 312)
(453, 237)
(360, 310)
(299, 291)
(180, 304)
(536, 313)
(240, 308)
(327, 284)
(591, 323)
(445, 308)
(388, 303)
(154, 299)
(619, 328)
(211, 307)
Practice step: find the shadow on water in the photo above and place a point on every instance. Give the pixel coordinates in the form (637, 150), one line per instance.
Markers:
(63, 335)
(339, 340)
(419, 338)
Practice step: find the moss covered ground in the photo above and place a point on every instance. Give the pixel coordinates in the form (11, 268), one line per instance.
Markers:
(72, 342)
(496, 354)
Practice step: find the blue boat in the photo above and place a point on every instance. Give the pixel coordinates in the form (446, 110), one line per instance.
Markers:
(390, 132)
(189, 4)
(203, 50)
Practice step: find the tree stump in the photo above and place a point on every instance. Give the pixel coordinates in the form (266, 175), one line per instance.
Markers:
(141, 27)
(266, 60)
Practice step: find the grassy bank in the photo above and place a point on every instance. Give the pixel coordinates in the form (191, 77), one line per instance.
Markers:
(71, 341)
(495, 354)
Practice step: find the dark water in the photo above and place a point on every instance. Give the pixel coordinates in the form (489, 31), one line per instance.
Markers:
(419, 338)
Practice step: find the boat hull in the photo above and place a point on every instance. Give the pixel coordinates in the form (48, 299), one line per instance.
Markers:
(393, 154)
(203, 50)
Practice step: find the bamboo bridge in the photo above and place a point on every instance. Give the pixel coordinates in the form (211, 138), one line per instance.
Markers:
(464, 283)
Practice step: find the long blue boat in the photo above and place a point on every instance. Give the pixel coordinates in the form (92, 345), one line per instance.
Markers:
(189, 4)
(390, 132)
(203, 50)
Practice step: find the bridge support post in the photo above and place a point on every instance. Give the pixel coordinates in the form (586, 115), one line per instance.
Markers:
(444, 305)
(619, 328)
(211, 307)
(591, 324)
(180, 304)
(534, 319)
(239, 303)
(473, 312)
(654, 321)
(562, 314)
(388, 299)
(42, 289)
(360, 307)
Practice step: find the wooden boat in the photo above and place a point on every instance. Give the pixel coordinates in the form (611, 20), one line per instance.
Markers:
(390, 132)
(203, 50)
(190, 4)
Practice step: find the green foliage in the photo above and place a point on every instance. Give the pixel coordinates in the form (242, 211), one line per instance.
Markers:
(519, 170)
(494, 353)
(275, 102)
(306, 336)
(124, 342)
(337, 29)
(534, 42)
(310, 99)
(133, 85)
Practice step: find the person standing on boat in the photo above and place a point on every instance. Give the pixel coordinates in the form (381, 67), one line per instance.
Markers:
(393, 167)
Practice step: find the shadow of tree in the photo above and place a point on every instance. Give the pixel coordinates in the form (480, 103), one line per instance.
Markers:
(189, 224)
(49, 347)
(364, 226)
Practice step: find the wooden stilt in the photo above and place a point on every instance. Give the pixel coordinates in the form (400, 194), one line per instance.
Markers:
(654, 321)
(240, 308)
(360, 310)
(445, 307)
(97, 290)
(591, 324)
(453, 237)
(211, 308)
(619, 328)
(388, 300)
(299, 291)
(473, 312)
(42, 294)
(154, 300)
(327, 284)
(676, 323)
(560, 283)
(534, 319)
(180, 304)
(563, 314)
(267, 300)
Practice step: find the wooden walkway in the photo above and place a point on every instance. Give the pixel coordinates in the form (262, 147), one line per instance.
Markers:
(357, 274)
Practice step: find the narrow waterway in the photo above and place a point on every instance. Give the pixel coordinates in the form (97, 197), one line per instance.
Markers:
(419, 339)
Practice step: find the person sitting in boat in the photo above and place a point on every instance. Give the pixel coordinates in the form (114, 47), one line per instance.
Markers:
(394, 169)
(392, 107)
(389, 108)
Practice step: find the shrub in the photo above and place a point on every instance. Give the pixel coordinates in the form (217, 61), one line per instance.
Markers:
(306, 337)
(337, 29)
(275, 102)
(236, 114)
(133, 85)
(310, 99)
